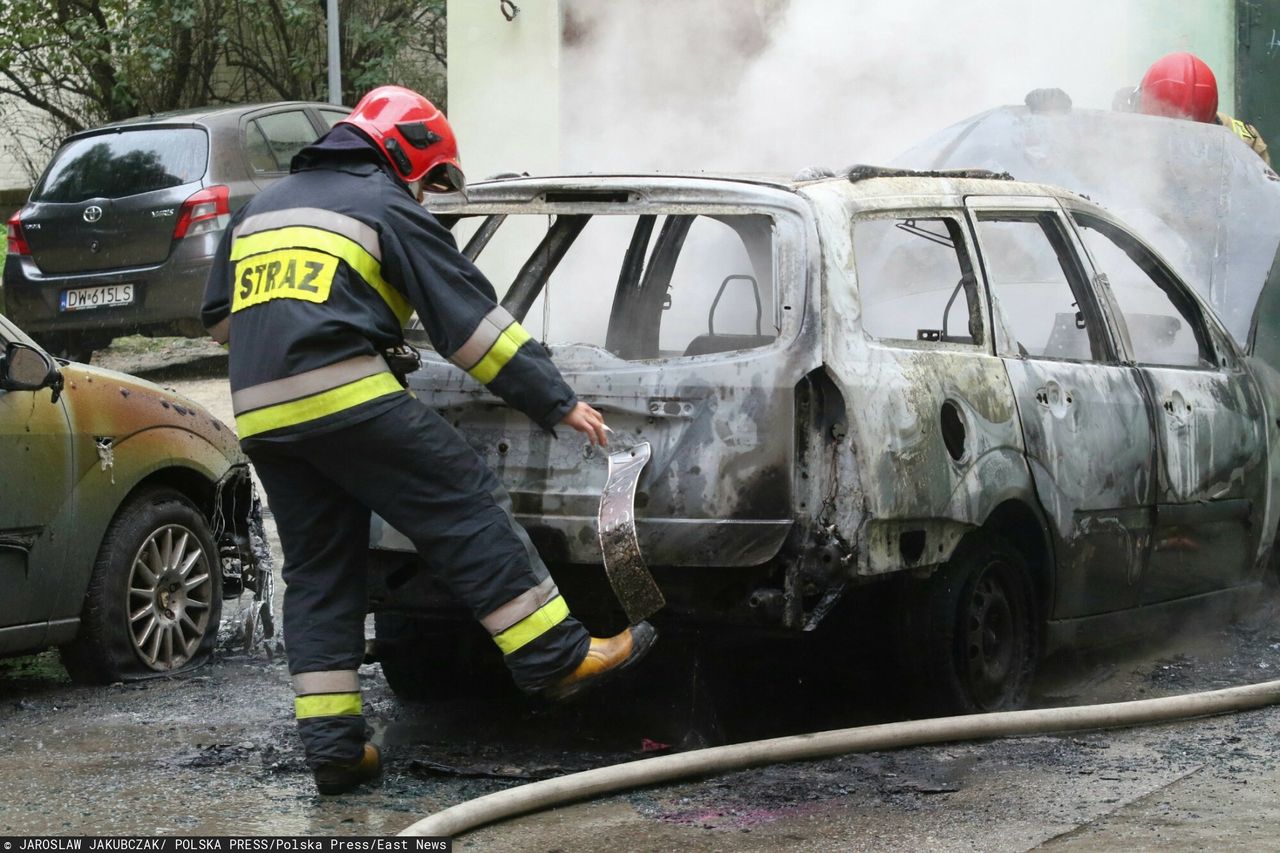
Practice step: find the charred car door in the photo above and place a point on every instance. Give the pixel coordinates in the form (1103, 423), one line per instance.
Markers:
(1208, 415)
(1085, 415)
(930, 389)
(36, 515)
(679, 321)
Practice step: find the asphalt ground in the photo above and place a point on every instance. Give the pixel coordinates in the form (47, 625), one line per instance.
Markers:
(213, 751)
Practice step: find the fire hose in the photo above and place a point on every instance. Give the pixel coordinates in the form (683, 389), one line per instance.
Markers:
(639, 596)
(536, 796)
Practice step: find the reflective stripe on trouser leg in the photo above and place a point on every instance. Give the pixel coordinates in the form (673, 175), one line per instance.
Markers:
(327, 707)
(534, 630)
(423, 479)
(324, 533)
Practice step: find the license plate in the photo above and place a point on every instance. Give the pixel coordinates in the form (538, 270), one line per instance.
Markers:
(107, 296)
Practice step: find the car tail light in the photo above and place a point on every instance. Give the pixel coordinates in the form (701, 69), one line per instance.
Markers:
(207, 210)
(17, 240)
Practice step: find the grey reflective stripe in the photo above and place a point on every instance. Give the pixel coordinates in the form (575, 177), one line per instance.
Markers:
(482, 339)
(220, 330)
(519, 607)
(305, 384)
(332, 681)
(313, 217)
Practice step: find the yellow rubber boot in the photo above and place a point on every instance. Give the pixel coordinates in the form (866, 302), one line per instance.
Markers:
(605, 658)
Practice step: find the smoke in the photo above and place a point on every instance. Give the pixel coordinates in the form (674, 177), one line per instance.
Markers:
(774, 85)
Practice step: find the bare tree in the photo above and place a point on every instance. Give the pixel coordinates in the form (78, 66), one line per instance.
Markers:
(81, 63)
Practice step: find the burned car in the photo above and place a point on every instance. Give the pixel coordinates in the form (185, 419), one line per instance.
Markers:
(127, 516)
(986, 394)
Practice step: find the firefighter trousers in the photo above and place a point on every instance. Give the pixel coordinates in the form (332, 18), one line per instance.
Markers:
(416, 471)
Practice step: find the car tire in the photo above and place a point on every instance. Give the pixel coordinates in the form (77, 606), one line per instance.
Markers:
(972, 631)
(155, 597)
(428, 661)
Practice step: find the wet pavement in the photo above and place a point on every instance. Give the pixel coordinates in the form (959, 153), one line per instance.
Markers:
(213, 751)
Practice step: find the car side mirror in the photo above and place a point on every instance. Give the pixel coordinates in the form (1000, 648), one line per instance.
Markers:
(26, 368)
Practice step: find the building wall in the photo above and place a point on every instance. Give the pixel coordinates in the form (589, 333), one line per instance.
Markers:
(576, 84)
(504, 84)
(13, 173)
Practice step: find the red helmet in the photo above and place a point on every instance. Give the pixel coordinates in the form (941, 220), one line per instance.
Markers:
(414, 135)
(1180, 85)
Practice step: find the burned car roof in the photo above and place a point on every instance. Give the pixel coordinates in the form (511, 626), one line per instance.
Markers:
(867, 182)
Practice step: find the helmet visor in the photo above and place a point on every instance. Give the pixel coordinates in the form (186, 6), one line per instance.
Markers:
(445, 178)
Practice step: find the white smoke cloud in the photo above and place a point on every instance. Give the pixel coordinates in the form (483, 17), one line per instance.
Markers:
(774, 85)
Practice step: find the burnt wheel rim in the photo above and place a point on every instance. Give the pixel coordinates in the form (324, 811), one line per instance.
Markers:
(170, 592)
(995, 639)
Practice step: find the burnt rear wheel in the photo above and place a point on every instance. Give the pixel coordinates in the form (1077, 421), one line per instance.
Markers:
(972, 631)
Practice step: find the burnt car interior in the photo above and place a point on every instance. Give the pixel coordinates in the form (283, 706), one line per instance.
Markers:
(1164, 324)
(913, 270)
(650, 286)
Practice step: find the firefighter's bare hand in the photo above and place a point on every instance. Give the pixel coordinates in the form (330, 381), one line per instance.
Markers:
(589, 422)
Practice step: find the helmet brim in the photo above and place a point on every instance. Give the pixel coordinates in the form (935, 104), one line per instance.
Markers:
(445, 178)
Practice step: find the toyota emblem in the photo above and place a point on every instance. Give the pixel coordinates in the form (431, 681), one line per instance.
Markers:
(92, 213)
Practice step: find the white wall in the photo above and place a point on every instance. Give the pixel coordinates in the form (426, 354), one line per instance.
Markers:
(13, 175)
(774, 85)
(504, 84)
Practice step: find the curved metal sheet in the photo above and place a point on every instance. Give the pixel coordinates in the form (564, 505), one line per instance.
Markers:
(623, 563)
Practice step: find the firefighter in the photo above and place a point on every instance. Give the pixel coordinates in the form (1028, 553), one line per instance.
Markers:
(313, 281)
(1181, 85)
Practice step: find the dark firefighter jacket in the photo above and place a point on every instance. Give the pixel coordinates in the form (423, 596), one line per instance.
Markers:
(317, 275)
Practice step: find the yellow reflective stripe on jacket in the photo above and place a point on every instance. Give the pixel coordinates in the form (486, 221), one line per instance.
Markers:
(327, 705)
(482, 339)
(308, 383)
(533, 626)
(305, 237)
(317, 406)
(503, 350)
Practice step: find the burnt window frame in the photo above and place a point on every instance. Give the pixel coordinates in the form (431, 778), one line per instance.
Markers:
(638, 284)
(1215, 351)
(1064, 243)
(967, 255)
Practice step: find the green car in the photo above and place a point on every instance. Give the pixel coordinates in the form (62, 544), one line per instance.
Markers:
(127, 516)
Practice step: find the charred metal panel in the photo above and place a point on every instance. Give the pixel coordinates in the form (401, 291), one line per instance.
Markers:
(718, 490)
(1089, 444)
(1212, 480)
(917, 498)
(623, 562)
